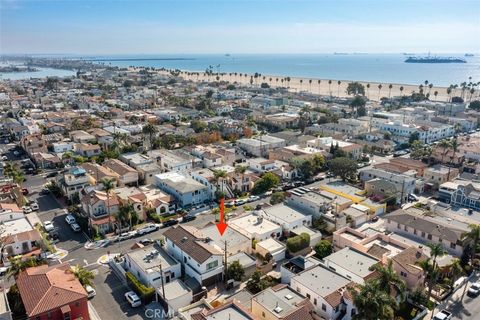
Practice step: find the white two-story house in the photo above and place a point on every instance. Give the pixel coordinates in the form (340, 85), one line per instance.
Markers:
(198, 257)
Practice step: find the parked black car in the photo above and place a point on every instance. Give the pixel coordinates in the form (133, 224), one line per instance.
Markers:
(188, 218)
(169, 223)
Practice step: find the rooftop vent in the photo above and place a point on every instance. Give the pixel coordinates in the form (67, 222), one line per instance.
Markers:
(289, 297)
(184, 239)
(278, 309)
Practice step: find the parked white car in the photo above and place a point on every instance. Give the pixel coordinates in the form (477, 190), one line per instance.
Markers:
(147, 229)
(70, 219)
(48, 226)
(133, 299)
(34, 206)
(474, 289)
(90, 291)
(75, 227)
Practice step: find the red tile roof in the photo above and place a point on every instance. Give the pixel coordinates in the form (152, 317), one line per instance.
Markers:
(46, 288)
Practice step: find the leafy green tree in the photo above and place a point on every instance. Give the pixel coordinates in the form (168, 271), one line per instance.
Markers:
(198, 126)
(474, 105)
(356, 88)
(266, 182)
(256, 284)
(343, 167)
(298, 243)
(235, 271)
(277, 197)
(413, 137)
(323, 249)
(419, 150)
(18, 264)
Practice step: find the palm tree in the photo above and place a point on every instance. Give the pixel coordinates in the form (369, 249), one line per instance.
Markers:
(372, 302)
(449, 92)
(126, 214)
(150, 130)
(217, 176)
(390, 86)
(401, 90)
(310, 87)
(471, 239)
(436, 250)
(108, 187)
(454, 269)
(435, 94)
(330, 87)
(368, 90)
(379, 89)
(301, 82)
(83, 275)
(454, 146)
(445, 145)
(430, 86)
(319, 82)
(338, 89)
(387, 277)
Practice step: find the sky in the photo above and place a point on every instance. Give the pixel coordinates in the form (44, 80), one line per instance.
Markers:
(238, 26)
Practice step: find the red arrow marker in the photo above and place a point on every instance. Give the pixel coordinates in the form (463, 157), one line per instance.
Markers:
(222, 226)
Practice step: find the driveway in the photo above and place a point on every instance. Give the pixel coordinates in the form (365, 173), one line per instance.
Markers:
(110, 301)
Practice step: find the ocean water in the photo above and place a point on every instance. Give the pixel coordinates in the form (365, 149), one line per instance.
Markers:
(385, 68)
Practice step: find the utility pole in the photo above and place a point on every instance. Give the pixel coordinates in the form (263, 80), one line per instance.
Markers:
(225, 266)
(161, 278)
(403, 188)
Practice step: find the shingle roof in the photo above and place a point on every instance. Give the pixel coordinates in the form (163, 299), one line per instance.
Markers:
(46, 288)
(427, 225)
(408, 257)
(191, 241)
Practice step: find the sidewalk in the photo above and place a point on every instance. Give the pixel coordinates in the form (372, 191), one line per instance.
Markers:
(92, 312)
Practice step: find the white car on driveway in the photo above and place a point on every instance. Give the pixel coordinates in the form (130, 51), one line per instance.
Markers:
(70, 219)
(34, 206)
(90, 291)
(133, 299)
(75, 227)
(48, 226)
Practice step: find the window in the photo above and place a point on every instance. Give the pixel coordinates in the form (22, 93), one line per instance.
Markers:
(308, 296)
(66, 316)
(263, 314)
(415, 231)
(212, 265)
(403, 274)
(398, 226)
(429, 237)
(324, 307)
(315, 301)
(423, 234)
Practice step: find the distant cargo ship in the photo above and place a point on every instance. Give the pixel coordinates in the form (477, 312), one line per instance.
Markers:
(434, 60)
(469, 55)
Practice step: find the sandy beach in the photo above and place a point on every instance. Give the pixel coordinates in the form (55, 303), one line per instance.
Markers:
(324, 87)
